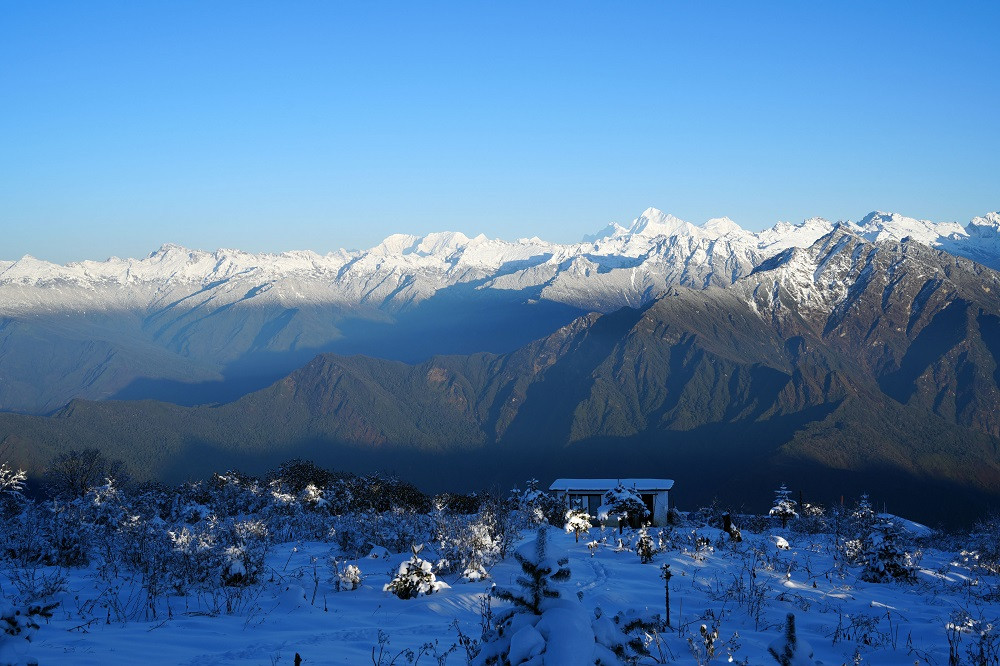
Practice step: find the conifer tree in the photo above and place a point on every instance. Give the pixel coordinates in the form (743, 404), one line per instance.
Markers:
(537, 574)
(784, 505)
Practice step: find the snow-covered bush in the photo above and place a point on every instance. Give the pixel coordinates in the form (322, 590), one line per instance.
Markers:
(812, 519)
(577, 522)
(235, 494)
(457, 503)
(784, 506)
(624, 506)
(502, 520)
(349, 577)
(465, 543)
(538, 506)
(68, 536)
(414, 577)
(18, 626)
(887, 559)
(984, 542)
(104, 506)
(297, 474)
(855, 539)
(11, 485)
(377, 492)
(292, 514)
(982, 639)
(244, 549)
(396, 530)
(190, 557)
(644, 547)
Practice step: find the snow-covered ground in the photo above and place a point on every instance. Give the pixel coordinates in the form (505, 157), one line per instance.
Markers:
(744, 590)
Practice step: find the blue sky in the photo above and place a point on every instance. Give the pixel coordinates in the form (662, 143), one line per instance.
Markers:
(293, 125)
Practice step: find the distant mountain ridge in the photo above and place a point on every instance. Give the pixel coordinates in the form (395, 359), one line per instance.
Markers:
(846, 363)
(196, 326)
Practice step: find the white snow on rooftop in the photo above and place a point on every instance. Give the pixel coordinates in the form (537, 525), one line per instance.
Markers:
(607, 484)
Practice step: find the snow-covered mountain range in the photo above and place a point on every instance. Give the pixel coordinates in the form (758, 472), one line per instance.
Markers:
(616, 266)
(100, 329)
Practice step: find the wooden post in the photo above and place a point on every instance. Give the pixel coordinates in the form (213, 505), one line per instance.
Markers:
(665, 575)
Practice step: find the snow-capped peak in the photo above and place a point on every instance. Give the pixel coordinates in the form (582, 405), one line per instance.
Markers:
(654, 222)
(987, 226)
(880, 225)
(722, 226)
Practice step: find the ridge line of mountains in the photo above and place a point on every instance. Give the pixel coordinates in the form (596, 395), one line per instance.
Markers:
(194, 327)
(846, 364)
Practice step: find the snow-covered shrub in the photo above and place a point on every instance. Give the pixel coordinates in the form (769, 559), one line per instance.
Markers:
(414, 577)
(627, 636)
(812, 519)
(703, 648)
(709, 515)
(984, 543)
(18, 626)
(400, 527)
(538, 506)
(887, 559)
(190, 557)
(465, 544)
(862, 518)
(396, 530)
(245, 546)
(644, 547)
(624, 506)
(235, 494)
(674, 517)
(983, 639)
(457, 503)
(104, 506)
(339, 497)
(501, 520)
(297, 474)
(377, 492)
(312, 498)
(352, 533)
(349, 577)
(67, 534)
(856, 532)
(784, 506)
(291, 514)
(11, 485)
(577, 522)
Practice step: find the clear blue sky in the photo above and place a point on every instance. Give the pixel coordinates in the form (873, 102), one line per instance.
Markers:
(292, 125)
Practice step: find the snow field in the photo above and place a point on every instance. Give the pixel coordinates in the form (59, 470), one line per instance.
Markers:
(742, 590)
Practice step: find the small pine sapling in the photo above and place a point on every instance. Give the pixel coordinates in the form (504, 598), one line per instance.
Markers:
(887, 560)
(350, 577)
(578, 522)
(645, 548)
(415, 577)
(784, 506)
(789, 650)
